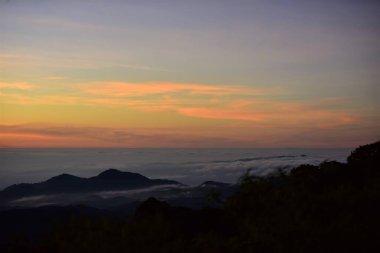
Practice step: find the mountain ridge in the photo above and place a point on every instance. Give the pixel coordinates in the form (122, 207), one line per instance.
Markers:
(108, 180)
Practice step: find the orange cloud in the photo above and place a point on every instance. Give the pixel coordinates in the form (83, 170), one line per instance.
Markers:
(16, 86)
(12, 98)
(232, 103)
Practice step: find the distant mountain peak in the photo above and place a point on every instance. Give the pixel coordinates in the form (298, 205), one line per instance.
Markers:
(117, 174)
(110, 172)
(63, 177)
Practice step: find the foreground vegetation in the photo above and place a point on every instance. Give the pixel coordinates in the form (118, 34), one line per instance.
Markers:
(333, 207)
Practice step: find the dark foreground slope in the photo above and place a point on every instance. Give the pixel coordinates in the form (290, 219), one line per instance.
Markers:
(333, 207)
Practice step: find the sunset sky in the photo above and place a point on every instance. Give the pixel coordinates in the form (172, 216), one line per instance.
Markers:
(173, 73)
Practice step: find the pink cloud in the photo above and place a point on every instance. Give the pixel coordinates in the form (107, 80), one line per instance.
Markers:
(280, 116)
(211, 113)
(28, 135)
(120, 89)
(43, 135)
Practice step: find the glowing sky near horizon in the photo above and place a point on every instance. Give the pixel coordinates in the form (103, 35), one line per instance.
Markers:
(166, 73)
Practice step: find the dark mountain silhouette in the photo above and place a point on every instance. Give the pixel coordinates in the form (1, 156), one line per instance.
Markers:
(109, 180)
(111, 190)
(113, 174)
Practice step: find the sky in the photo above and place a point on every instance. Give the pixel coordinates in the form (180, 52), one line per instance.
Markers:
(173, 73)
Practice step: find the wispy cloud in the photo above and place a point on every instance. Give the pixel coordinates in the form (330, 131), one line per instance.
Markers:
(213, 102)
(223, 102)
(125, 89)
(317, 118)
(16, 86)
(222, 113)
(33, 135)
(22, 99)
(47, 135)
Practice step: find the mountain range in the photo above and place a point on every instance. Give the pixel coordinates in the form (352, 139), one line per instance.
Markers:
(33, 208)
(109, 180)
(111, 189)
